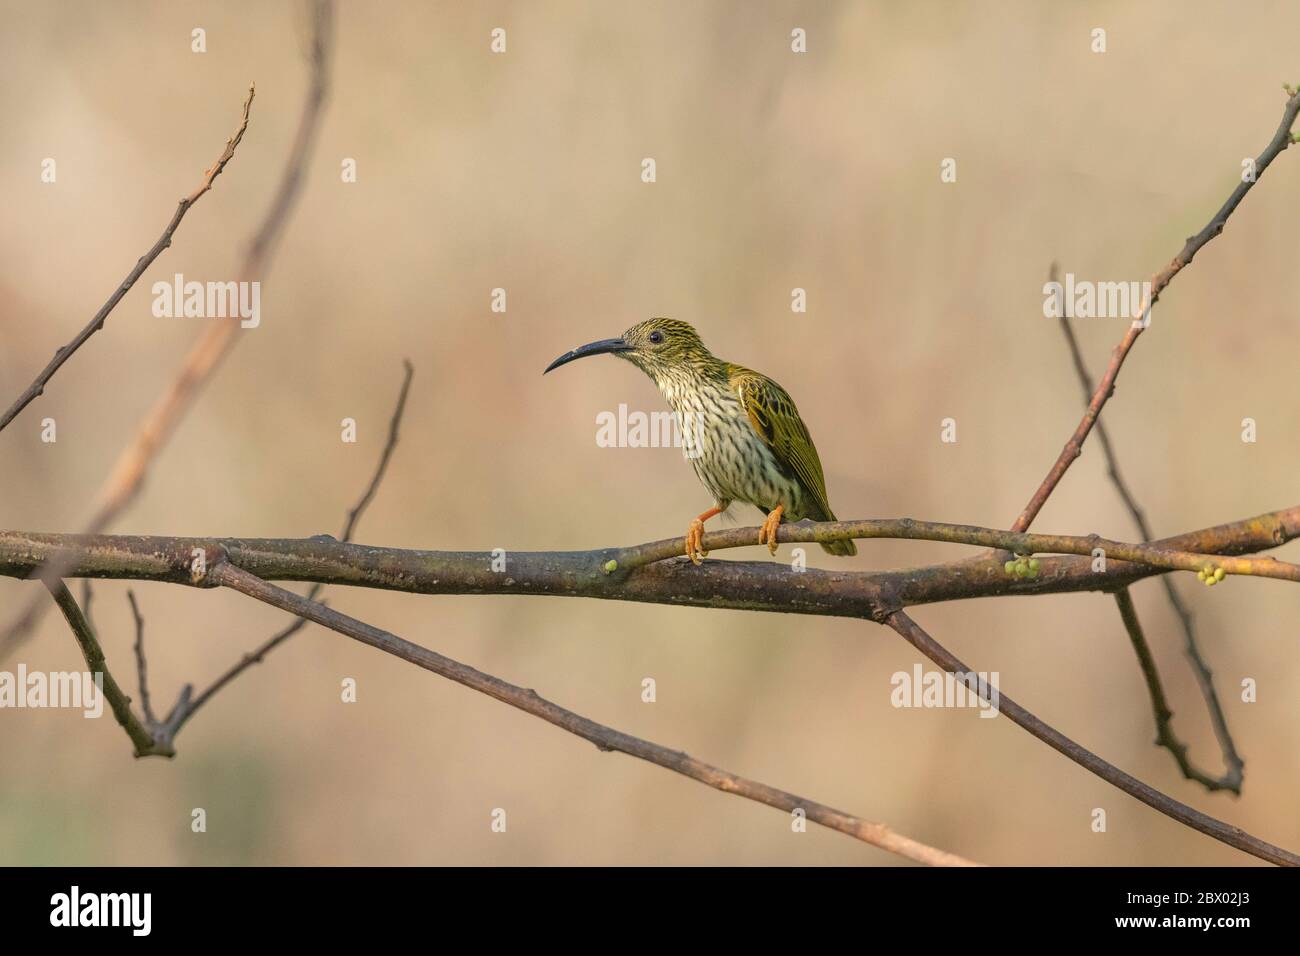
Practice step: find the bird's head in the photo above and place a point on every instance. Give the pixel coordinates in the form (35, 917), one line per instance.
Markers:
(656, 346)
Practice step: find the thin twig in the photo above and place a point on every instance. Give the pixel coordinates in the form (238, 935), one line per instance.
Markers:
(1224, 832)
(1234, 766)
(65, 352)
(605, 738)
(1106, 387)
(1165, 736)
(394, 423)
(141, 665)
(248, 660)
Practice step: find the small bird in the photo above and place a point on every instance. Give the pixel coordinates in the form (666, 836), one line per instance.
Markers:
(740, 430)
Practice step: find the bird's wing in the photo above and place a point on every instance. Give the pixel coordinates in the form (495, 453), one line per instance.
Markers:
(773, 414)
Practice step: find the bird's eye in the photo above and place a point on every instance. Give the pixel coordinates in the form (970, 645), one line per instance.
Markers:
(656, 337)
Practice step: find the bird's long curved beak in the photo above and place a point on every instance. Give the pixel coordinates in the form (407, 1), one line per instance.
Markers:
(591, 348)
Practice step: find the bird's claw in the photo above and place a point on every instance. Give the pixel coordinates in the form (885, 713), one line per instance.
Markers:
(695, 542)
(767, 533)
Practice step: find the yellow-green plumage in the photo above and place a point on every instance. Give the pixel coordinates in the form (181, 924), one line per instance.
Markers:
(741, 431)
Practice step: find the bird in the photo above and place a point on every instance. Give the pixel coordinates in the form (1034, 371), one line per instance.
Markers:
(740, 430)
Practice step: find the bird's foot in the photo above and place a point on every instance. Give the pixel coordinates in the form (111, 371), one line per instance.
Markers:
(695, 541)
(695, 536)
(767, 533)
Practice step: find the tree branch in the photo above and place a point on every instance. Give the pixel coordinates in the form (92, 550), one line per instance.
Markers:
(1017, 542)
(741, 585)
(221, 572)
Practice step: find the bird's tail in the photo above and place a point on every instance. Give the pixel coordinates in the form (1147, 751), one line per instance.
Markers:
(843, 549)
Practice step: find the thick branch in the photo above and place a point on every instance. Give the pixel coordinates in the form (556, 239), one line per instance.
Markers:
(743, 585)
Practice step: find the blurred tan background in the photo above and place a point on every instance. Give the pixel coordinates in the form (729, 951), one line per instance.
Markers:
(775, 171)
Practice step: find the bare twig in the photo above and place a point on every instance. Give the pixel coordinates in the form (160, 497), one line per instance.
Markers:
(1106, 387)
(394, 423)
(1165, 736)
(141, 665)
(1103, 436)
(605, 738)
(64, 353)
(349, 526)
(1224, 832)
(1234, 765)
(255, 656)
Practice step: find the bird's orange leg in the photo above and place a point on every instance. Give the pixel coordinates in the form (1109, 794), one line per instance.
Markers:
(695, 536)
(767, 533)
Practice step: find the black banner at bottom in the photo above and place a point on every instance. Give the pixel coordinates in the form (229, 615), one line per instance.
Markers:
(330, 905)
